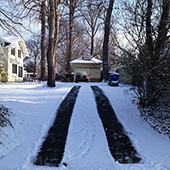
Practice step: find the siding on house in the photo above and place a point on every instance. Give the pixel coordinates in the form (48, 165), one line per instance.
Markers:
(123, 76)
(12, 52)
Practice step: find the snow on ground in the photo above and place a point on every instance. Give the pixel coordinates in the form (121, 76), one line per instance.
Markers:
(34, 106)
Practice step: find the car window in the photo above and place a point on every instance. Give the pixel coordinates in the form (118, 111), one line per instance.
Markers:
(81, 73)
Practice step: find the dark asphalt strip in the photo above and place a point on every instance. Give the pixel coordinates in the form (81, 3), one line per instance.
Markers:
(119, 143)
(52, 150)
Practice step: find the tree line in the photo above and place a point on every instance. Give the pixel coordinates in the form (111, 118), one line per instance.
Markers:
(72, 28)
(61, 29)
(146, 26)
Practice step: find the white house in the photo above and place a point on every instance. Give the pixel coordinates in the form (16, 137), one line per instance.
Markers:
(12, 52)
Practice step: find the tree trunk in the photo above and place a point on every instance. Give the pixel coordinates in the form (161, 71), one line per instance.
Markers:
(149, 39)
(56, 30)
(153, 54)
(43, 44)
(71, 21)
(35, 66)
(147, 82)
(92, 43)
(106, 40)
(163, 28)
(50, 51)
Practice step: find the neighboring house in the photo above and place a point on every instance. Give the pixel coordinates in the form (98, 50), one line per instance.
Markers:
(124, 77)
(29, 76)
(12, 52)
(89, 64)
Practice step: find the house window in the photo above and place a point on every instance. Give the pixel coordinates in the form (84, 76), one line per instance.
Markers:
(19, 53)
(14, 68)
(20, 71)
(13, 51)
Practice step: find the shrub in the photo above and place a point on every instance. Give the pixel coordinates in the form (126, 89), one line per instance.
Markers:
(5, 113)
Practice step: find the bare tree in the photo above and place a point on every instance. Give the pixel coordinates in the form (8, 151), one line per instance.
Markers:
(36, 11)
(163, 28)
(32, 11)
(71, 5)
(52, 41)
(92, 17)
(10, 20)
(80, 45)
(113, 59)
(50, 51)
(106, 40)
(33, 45)
(43, 41)
(145, 26)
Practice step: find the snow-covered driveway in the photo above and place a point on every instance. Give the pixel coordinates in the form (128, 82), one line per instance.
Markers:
(86, 148)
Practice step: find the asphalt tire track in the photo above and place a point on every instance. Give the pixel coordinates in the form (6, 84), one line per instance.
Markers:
(119, 143)
(52, 149)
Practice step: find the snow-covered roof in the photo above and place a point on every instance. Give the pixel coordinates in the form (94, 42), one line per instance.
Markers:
(82, 60)
(11, 41)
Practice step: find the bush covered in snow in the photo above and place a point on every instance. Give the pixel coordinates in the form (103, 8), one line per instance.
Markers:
(158, 117)
(5, 113)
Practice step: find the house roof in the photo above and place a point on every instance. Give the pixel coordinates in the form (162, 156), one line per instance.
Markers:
(11, 41)
(83, 60)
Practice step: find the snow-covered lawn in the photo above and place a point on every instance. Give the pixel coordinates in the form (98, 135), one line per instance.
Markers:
(34, 107)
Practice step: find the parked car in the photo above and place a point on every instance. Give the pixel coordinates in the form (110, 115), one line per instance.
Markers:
(81, 76)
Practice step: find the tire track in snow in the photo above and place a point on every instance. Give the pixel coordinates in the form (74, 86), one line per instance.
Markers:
(52, 149)
(119, 143)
